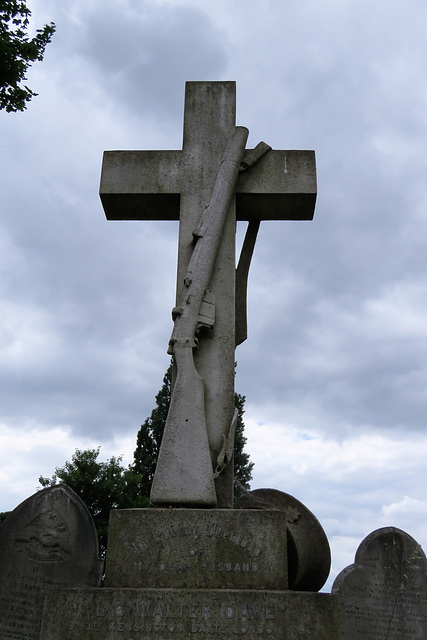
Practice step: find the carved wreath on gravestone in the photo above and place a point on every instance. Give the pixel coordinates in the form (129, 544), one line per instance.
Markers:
(46, 538)
(48, 541)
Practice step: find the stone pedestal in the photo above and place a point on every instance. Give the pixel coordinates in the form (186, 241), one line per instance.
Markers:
(158, 614)
(197, 549)
(174, 574)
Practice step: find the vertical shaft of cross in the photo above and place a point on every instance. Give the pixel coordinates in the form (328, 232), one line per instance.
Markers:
(210, 115)
(209, 122)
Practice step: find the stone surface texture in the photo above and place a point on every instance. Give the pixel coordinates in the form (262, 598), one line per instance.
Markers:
(385, 590)
(309, 555)
(47, 541)
(197, 548)
(179, 614)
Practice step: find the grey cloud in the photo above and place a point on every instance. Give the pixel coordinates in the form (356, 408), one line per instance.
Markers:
(80, 343)
(142, 55)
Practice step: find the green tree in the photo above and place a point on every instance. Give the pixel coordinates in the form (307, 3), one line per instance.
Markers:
(17, 52)
(101, 485)
(242, 463)
(151, 432)
(150, 436)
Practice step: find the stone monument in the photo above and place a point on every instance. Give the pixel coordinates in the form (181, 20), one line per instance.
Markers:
(47, 541)
(308, 552)
(207, 185)
(385, 590)
(194, 567)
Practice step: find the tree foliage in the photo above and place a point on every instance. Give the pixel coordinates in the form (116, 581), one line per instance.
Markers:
(101, 485)
(17, 52)
(242, 463)
(150, 436)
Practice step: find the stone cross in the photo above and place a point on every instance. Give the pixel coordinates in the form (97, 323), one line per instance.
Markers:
(178, 185)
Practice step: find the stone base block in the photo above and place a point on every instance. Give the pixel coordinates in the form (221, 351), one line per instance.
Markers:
(197, 548)
(179, 614)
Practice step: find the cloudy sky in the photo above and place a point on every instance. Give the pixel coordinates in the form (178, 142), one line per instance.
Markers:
(335, 367)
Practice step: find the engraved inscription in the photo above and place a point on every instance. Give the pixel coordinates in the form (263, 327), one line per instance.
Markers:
(201, 548)
(22, 605)
(189, 618)
(196, 554)
(212, 530)
(199, 614)
(385, 591)
(388, 614)
(228, 567)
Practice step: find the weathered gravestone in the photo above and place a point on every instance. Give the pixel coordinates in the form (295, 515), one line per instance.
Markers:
(385, 590)
(47, 541)
(309, 555)
(179, 573)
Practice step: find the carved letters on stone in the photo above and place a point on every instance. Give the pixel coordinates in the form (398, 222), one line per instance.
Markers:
(200, 614)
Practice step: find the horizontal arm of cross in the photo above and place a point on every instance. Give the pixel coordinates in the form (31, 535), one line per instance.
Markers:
(147, 185)
(141, 185)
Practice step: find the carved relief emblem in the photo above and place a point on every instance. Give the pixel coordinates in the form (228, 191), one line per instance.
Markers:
(46, 538)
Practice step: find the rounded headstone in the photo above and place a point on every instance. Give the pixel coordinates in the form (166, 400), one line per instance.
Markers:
(49, 540)
(385, 590)
(309, 554)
